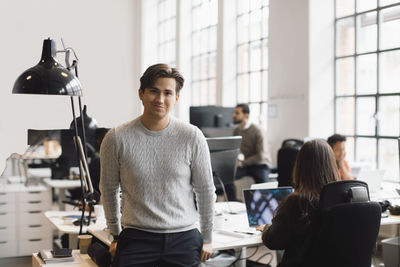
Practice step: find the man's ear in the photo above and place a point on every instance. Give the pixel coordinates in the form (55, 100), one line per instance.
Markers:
(140, 94)
(177, 97)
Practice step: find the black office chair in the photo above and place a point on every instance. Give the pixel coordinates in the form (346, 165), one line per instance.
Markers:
(349, 226)
(286, 158)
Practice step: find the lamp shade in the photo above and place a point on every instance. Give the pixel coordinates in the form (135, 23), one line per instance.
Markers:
(48, 77)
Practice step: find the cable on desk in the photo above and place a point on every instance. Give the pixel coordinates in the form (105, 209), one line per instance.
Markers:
(266, 254)
(240, 259)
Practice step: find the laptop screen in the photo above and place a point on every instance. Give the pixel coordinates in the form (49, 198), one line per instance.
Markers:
(261, 204)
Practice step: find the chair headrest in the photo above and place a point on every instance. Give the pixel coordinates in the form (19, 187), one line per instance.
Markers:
(343, 192)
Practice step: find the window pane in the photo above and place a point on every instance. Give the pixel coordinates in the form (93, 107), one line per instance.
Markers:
(264, 93)
(212, 98)
(255, 56)
(205, 92)
(255, 114)
(255, 87)
(255, 25)
(196, 43)
(389, 117)
(345, 37)
(243, 6)
(366, 32)
(265, 54)
(204, 68)
(243, 58)
(243, 88)
(389, 77)
(345, 115)
(366, 74)
(363, 5)
(387, 2)
(196, 94)
(344, 8)
(390, 27)
(350, 149)
(365, 116)
(243, 28)
(196, 69)
(212, 37)
(265, 17)
(366, 151)
(345, 76)
(264, 115)
(213, 65)
(389, 158)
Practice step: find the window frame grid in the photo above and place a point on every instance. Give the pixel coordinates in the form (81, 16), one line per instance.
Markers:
(261, 71)
(356, 95)
(207, 55)
(162, 44)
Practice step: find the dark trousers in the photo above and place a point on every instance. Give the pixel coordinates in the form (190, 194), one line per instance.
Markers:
(137, 248)
(260, 174)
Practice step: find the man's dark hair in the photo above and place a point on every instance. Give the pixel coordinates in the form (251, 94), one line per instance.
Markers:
(332, 140)
(245, 108)
(156, 71)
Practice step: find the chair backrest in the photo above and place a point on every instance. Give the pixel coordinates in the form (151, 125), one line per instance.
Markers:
(286, 158)
(348, 227)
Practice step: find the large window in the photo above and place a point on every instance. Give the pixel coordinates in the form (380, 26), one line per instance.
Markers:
(166, 31)
(204, 52)
(252, 57)
(367, 80)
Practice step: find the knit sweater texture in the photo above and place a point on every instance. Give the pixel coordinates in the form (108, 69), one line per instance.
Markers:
(162, 176)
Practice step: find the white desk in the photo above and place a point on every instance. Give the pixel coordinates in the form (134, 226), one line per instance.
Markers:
(64, 225)
(80, 260)
(61, 186)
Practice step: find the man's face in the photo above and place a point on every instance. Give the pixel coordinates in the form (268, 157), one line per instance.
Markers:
(339, 149)
(238, 115)
(159, 99)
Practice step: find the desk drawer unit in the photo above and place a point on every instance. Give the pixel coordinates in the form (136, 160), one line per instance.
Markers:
(8, 236)
(8, 248)
(34, 230)
(8, 197)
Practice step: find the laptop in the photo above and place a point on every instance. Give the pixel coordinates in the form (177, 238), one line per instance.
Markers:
(262, 203)
(373, 178)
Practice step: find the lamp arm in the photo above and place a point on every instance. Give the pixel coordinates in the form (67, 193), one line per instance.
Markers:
(86, 173)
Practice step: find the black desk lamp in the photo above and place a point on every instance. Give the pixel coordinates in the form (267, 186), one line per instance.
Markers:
(49, 77)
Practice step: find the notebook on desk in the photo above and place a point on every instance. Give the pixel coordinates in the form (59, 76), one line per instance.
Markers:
(262, 203)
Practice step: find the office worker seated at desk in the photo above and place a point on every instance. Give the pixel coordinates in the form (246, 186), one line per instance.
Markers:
(338, 144)
(161, 165)
(254, 148)
(296, 217)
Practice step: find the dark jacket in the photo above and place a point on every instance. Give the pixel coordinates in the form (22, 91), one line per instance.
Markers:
(293, 229)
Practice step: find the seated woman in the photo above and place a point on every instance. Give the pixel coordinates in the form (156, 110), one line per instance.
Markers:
(292, 226)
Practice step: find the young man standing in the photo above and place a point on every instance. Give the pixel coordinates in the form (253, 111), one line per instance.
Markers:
(338, 144)
(162, 166)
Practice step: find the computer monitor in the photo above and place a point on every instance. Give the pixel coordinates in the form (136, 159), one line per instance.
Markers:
(223, 153)
(211, 116)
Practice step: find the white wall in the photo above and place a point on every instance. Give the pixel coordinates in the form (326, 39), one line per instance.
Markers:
(300, 70)
(105, 35)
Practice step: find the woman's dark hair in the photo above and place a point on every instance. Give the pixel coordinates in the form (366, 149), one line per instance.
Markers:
(315, 167)
(157, 71)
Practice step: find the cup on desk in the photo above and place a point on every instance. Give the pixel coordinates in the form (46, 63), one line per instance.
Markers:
(84, 243)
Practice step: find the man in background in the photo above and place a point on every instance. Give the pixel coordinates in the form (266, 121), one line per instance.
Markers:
(254, 148)
(338, 144)
(163, 168)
